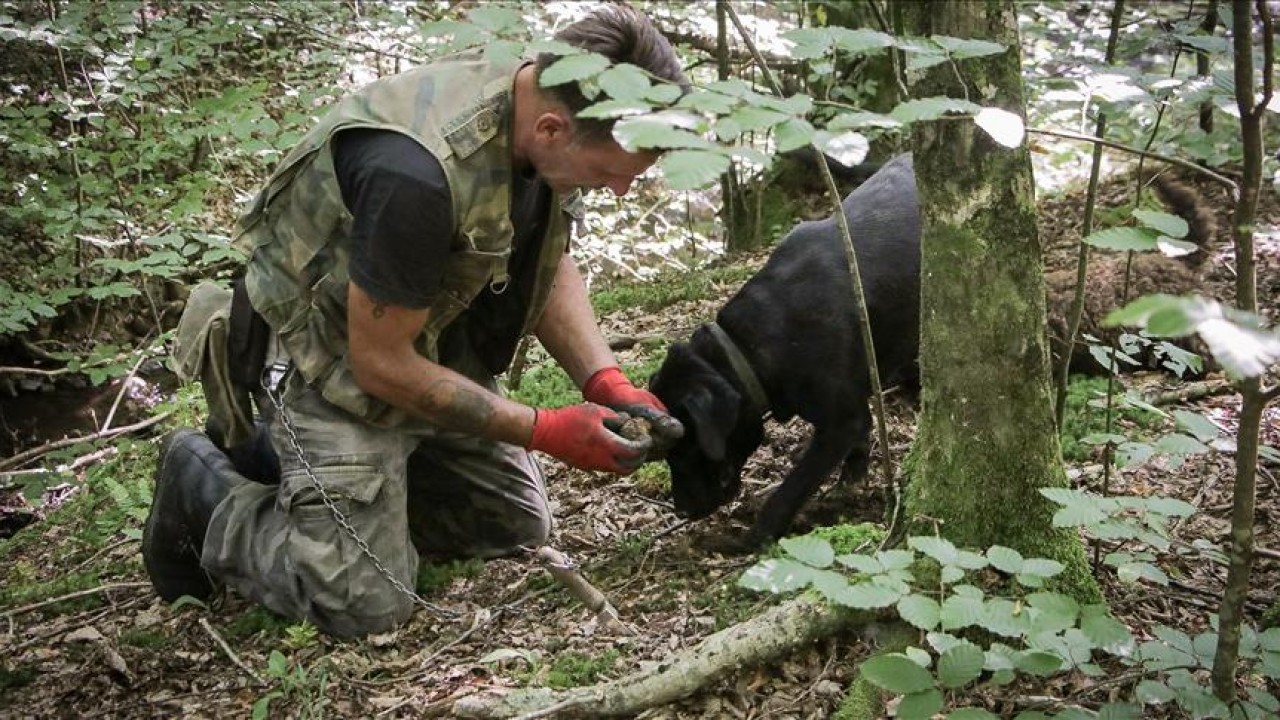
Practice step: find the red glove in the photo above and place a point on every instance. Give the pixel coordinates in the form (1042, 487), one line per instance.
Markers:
(579, 435)
(609, 387)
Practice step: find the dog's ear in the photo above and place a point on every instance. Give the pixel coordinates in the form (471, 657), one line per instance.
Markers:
(713, 415)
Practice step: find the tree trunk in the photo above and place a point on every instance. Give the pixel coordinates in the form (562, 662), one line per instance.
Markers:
(986, 440)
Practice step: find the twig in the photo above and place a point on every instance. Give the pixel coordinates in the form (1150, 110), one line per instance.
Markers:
(1266, 552)
(124, 387)
(22, 457)
(1184, 164)
(204, 623)
(100, 553)
(1189, 391)
(565, 571)
(72, 596)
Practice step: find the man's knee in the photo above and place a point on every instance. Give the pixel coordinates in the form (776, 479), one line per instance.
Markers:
(354, 620)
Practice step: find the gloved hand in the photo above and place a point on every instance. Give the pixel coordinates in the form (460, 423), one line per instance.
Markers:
(609, 387)
(581, 436)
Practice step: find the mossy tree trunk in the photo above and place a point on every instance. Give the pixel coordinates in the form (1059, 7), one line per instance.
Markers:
(986, 440)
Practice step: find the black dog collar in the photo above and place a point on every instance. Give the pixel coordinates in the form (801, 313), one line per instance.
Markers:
(741, 368)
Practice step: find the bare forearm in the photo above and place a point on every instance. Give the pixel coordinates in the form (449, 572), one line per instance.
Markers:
(568, 328)
(387, 366)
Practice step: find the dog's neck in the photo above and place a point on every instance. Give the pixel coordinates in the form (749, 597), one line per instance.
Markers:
(746, 376)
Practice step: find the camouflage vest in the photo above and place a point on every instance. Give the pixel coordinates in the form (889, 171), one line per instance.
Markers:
(459, 109)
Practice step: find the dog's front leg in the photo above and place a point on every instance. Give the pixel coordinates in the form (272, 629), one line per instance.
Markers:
(830, 446)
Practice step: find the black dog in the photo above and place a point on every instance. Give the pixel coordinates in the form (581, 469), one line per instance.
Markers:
(788, 344)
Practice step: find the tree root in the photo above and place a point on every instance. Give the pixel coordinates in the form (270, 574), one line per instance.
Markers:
(773, 634)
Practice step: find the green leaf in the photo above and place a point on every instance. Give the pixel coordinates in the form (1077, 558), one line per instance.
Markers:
(921, 611)
(921, 705)
(624, 82)
(1105, 631)
(866, 596)
(861, 121)
(896, 673)
(861, 41)
(1038, 662)
(1171, 225)
(809, 43)
(960, 665)
(793, 133)
(960, 612)
(1200, 426)
(1006, 560)
(1004, 617)
(690, 169)
(940, 549)
(615, 109)
(895, 559)
(932, 109)
(573, 68)
(752, 117)
(649, 132)
(1055, 611)
(809, 549)
(1123, 238)
(961, 48)
(1150, 692)
(777, 576)
(1042, 567)
(861, 563)
(1179, 444)
(277, 663)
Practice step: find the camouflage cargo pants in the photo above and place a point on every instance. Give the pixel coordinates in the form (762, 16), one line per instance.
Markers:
(406, 490)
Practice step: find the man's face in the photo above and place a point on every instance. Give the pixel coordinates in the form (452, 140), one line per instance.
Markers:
(567, 163)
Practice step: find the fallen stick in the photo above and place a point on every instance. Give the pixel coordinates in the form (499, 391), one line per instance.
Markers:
(566, 572)
(226, 649)
(773, 634)
(72, 596)
(22, 457)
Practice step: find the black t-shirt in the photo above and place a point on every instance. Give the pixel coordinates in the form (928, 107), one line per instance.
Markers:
(402, 229)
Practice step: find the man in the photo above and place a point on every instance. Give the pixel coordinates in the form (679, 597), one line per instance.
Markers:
(398, 254)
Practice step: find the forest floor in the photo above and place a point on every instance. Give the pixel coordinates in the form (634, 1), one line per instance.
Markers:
(118, 652)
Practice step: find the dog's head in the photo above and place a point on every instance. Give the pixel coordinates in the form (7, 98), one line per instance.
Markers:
(719, 432)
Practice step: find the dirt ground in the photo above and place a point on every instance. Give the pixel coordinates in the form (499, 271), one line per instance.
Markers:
(670, 594)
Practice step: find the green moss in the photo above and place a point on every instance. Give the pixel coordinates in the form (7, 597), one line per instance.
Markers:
(14, 595)
(573, 669)
(844, 539)
(258, 621)
(145, 639)
(653, 479)
(1086, 415)
(433, 577)
(668, 289)
(16, 676)
(546, 385)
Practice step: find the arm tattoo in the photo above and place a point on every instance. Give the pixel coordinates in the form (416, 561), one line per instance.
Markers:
(456, 407)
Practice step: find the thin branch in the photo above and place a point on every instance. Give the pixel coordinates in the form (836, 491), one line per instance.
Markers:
(1184, 164)
(124, 387)
(72, 596)
(22, 458)
(226, 649)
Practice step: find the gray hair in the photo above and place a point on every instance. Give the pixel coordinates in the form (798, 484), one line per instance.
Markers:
(623, 35)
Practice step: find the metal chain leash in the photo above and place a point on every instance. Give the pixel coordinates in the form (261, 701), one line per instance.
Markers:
(338, 515)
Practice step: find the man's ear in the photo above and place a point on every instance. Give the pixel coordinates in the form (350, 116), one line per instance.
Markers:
(552, 126)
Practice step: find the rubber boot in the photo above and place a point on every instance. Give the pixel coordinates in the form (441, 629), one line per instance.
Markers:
(192, 477)
(254, 458)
